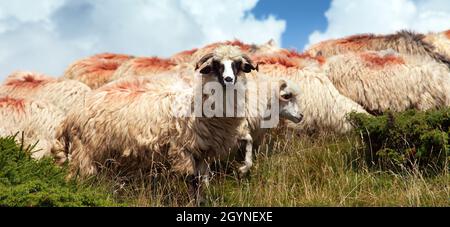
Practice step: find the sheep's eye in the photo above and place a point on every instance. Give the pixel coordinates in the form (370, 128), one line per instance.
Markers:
(287, 96)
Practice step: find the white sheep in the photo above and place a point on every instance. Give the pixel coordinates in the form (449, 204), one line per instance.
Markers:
(134, 122)
(64, 94)
(97, 70)
(144, 66)
(37, 120)
(323, 107)
(386, 80)
(404, 42)
(263, 94)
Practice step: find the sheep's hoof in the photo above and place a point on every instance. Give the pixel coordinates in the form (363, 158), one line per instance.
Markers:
(244, 172)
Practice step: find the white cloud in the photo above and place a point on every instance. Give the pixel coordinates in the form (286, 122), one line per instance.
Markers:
(47, 35)
(348, 17)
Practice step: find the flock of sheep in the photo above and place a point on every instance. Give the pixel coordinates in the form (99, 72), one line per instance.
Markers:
(117, 111)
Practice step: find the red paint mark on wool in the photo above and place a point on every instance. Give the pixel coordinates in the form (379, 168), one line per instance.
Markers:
(275, 60)
(352, 42)
(114, 57)
(126, 89)
(96, 65)
(447, 33)
(27, 81)
(294, 54)
(15, 104)
(154, 62)
(376, 61)
(188, 52)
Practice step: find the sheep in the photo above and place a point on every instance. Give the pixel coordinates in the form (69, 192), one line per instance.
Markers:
(251, 133)
(441, 41)
(324, 108)
(135, 122)
(386, 80)
(281, 92)
(36, 119)
(64, 94)
(404, 42)
(143, 67)
(97, 70)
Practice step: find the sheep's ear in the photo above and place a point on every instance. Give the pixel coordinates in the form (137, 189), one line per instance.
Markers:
(247, 65)
(271, 42)
(285, 94)
(283, 84)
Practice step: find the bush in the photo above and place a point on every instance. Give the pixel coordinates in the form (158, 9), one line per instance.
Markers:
(404, 139)
(27, 182)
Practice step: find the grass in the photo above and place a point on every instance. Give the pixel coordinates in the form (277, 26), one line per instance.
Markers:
(328, 171)
(320, 171)
(26, 182)
(300, 171)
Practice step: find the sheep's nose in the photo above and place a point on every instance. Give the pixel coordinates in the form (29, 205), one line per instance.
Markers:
(228, 79)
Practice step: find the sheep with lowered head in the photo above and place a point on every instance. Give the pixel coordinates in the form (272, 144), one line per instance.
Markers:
(37, 120)
(386, 80)
(404, 42)
(143, 67)
(134, 123)
(64, 94)
(97, 70)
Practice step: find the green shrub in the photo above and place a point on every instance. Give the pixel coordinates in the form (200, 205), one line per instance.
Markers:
(404, 139)
(27, 182)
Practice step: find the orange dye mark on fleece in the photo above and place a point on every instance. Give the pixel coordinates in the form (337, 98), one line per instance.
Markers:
(27, 81)
(376, 61)
(15, 104)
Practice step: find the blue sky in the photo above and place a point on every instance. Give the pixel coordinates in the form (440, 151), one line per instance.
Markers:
(46, 36)
(302, 18)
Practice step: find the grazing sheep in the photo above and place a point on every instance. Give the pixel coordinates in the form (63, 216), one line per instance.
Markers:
(386, 80)
(97, 70)
(403, 42)
(134, 123)
(323, 107)
(143, 67)
(64, 94)
(441, 41)
(36, 119)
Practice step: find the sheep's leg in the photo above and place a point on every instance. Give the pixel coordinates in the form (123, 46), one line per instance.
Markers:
(82, 162)
(182, 162)
(248, 161)
(199, 181)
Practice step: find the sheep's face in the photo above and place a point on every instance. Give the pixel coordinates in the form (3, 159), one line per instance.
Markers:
(289, 108)
(225, 70)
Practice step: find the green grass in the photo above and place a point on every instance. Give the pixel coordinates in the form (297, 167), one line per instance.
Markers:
(299, 171)
(26, 182)
(328, 172)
